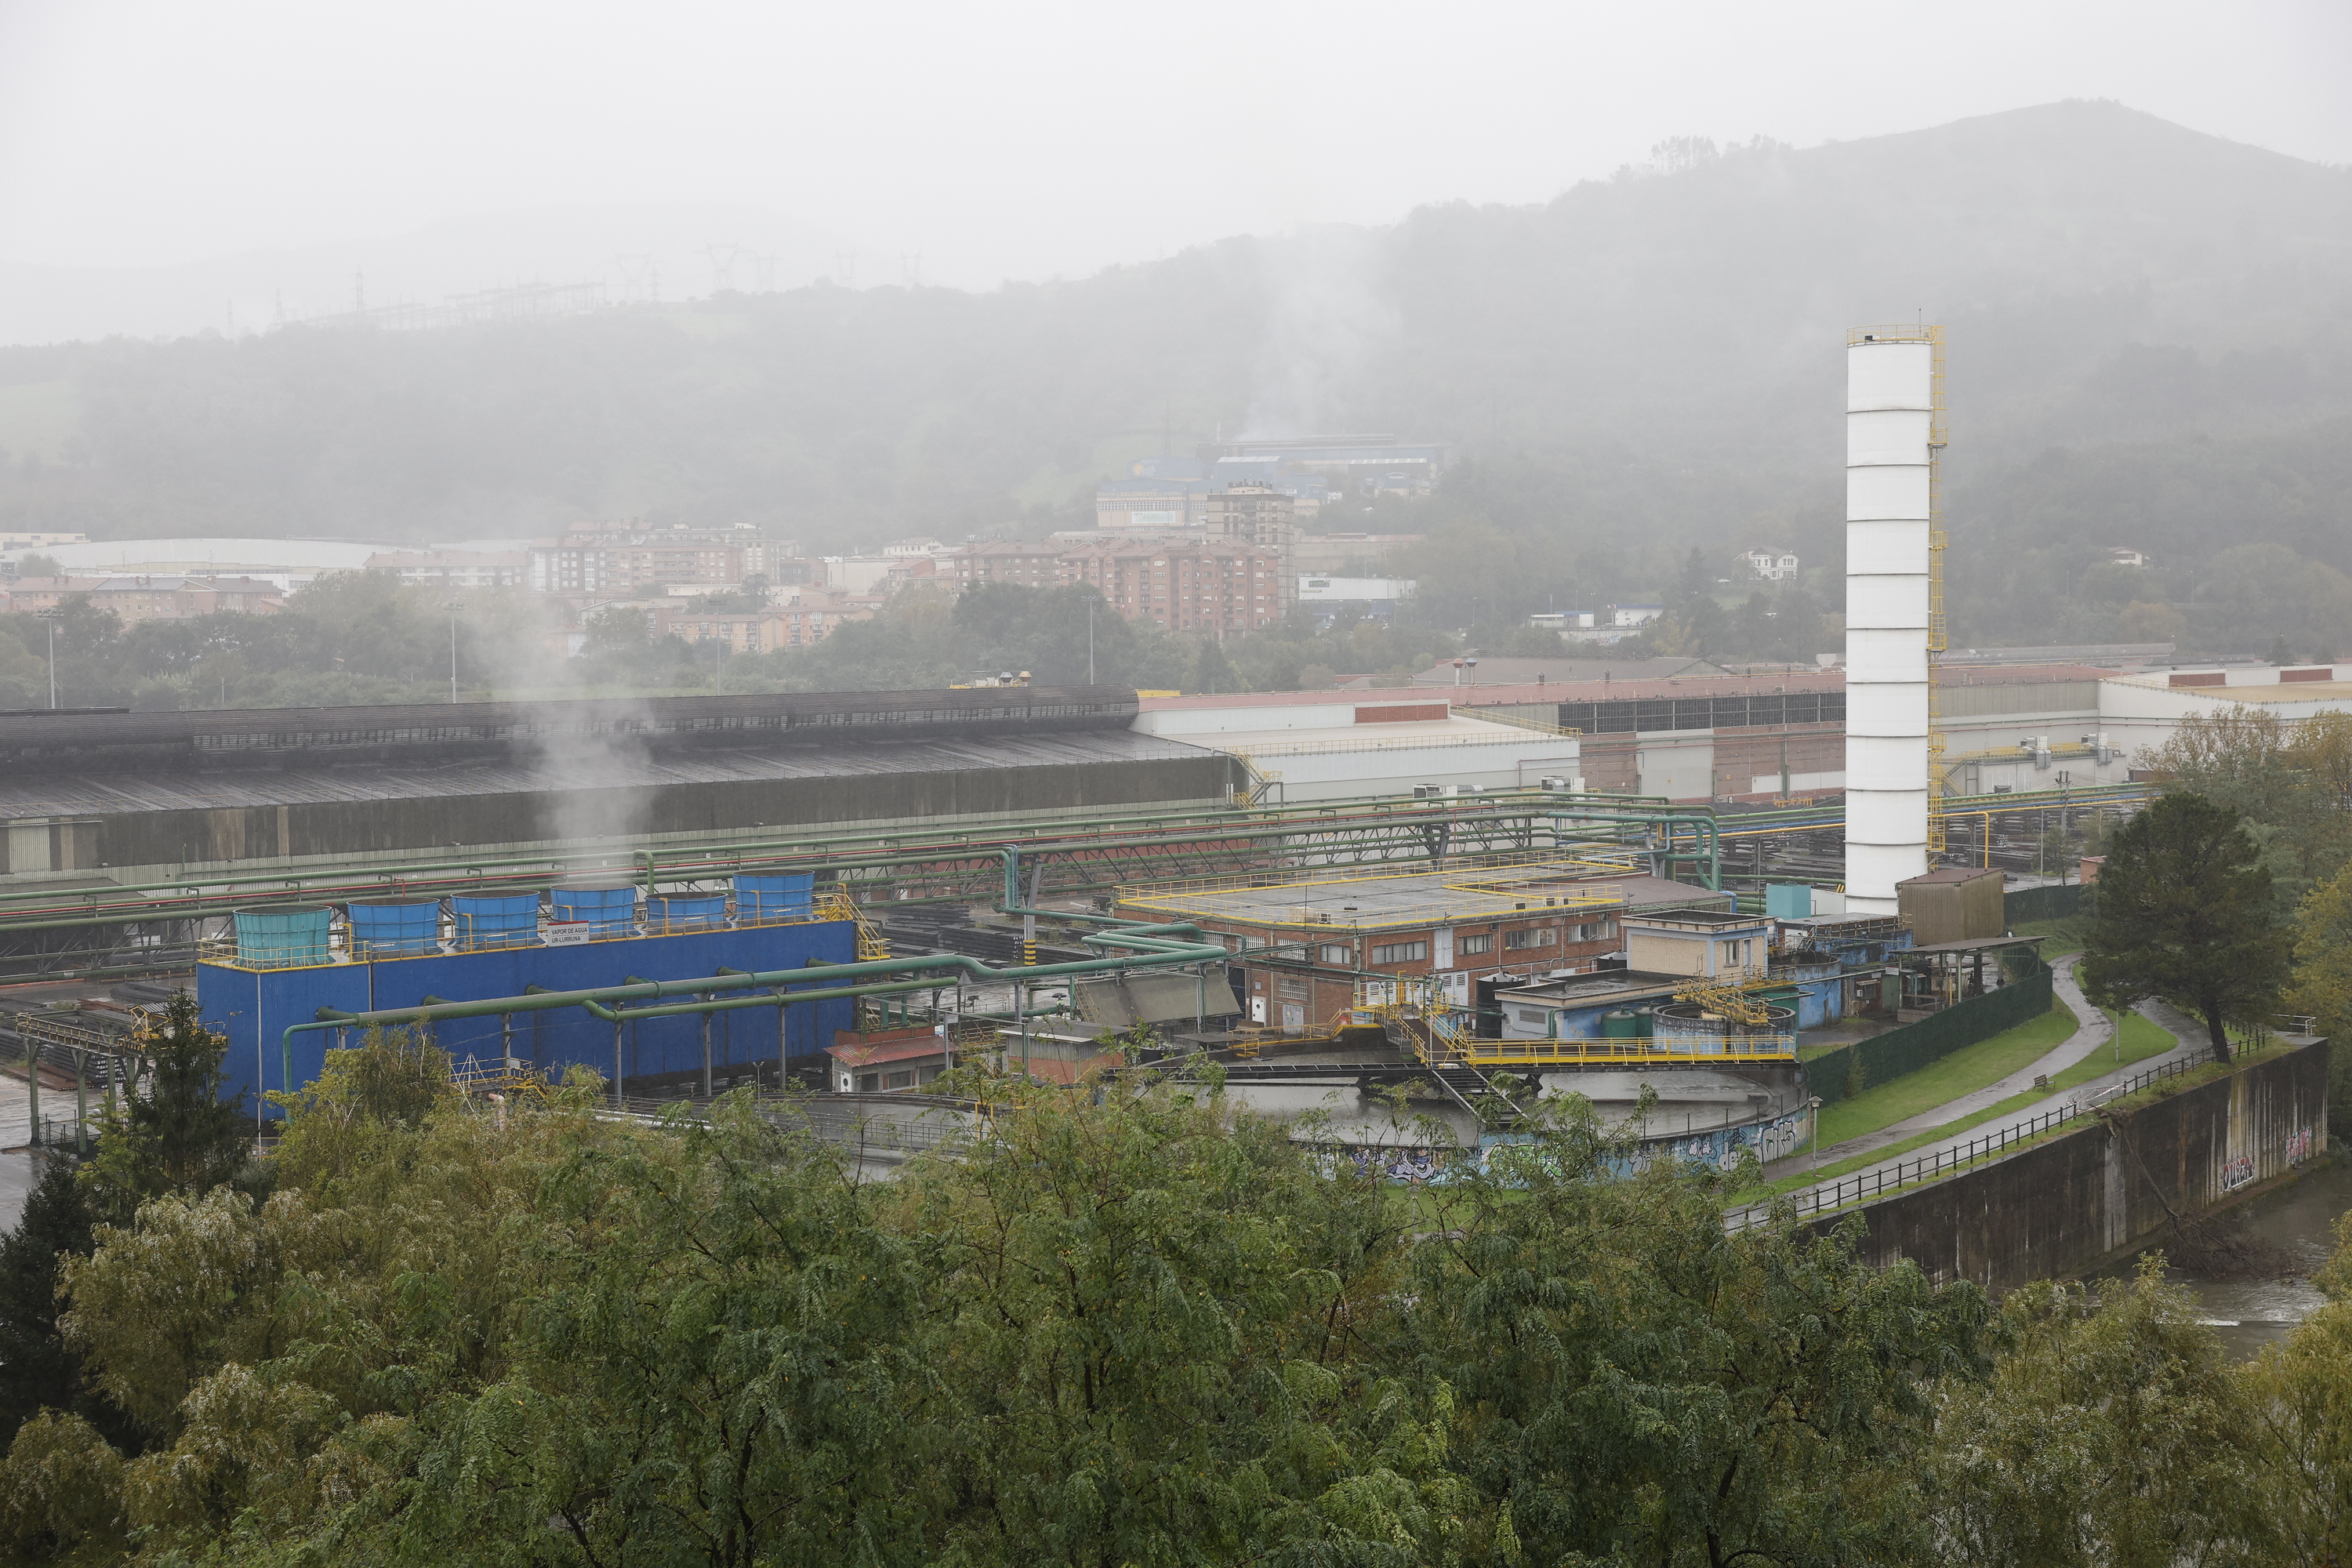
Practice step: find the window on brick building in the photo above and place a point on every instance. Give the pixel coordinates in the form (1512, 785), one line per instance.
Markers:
(1482, 942)
(1531, 936)
(1337, 952)
(1399, 952)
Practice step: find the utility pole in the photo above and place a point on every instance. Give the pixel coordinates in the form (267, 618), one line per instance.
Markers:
(453, 650)
(1090, 644)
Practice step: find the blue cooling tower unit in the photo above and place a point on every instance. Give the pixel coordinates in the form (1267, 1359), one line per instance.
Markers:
(252, 1006)
(607, 911)
(281, 937)
(763, 899)
(503, 921)
(699, 911)
(393, 931)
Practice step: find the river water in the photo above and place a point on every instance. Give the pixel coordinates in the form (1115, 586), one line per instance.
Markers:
(2299, 1219)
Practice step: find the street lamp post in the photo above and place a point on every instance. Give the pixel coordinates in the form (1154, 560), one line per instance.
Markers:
(52, 615)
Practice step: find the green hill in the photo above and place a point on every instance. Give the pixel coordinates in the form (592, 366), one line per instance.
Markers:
(2149, 329)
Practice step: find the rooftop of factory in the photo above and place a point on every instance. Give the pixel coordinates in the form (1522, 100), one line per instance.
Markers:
(105, 793)
(1507, 670)
(1397, 901)
(1598, 986)
(2251, 683)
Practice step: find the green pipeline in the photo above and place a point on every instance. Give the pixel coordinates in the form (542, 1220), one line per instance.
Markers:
(538, 869)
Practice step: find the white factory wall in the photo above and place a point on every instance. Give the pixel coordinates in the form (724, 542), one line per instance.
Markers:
(1337, 774)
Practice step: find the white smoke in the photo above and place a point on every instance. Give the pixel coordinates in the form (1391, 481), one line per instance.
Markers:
(1329, 315)
(597, 784)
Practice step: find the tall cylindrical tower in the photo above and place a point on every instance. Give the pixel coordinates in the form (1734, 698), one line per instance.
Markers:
(1893, 437)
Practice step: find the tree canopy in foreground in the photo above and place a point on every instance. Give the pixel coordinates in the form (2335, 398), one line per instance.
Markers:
(1145, 1331)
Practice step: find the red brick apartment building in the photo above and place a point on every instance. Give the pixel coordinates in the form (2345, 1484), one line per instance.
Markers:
(615, 560)
(1214, 586)
(1218, 588)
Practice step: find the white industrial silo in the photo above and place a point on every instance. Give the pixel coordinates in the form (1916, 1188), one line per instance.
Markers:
(1893, 437)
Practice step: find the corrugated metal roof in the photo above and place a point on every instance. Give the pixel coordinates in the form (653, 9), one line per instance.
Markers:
(586, 766)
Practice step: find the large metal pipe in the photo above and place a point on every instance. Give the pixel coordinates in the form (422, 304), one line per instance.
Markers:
(1890, 431)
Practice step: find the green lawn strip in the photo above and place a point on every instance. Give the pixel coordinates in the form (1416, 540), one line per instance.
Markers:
(1806, 1052)
(1968, 1068)
(2142, 1039)
(2063, 936)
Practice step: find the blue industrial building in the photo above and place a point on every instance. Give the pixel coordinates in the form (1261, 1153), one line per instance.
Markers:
(286, 966)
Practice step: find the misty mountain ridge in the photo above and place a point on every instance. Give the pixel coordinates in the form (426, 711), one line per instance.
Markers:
(1640, 364)
(633, 251)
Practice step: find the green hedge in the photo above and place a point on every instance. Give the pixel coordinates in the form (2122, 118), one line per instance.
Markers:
(2053, 903)
(1939, 1034)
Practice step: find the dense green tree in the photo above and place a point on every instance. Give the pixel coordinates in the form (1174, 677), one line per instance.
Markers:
(37, 1370)
(175, 1131)
(2185, 912)
(2114, 1435)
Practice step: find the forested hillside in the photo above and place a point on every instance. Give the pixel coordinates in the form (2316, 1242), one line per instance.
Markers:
(2149, 333)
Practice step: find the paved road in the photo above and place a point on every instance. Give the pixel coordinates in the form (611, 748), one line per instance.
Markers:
(2190, 1044)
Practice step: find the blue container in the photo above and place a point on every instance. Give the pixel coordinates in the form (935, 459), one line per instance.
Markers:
(507, 921)
(699, 911)
(387, 931)
(1789, 900)
(766, 900)
(282, 939)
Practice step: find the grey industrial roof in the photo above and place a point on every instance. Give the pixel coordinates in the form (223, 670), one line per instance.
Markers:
(580, 765)
(1595, 986)
(1333, 899)
(1967, 944)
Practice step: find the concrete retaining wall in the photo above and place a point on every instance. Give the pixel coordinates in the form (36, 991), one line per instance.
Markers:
(2060, 1208)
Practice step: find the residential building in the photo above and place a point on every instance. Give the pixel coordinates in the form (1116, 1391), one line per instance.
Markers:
(811, 616)
(1250, 514)
(757, 631)
(32, 593)
(1195, 587)
(455, 568)
(1770, 565)
(37, 541)
(601, 558)
(2123, 556)
(1036, 563)
(1167, 493)
(134, 599)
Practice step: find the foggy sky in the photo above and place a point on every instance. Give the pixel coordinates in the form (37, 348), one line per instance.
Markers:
(1024, 140)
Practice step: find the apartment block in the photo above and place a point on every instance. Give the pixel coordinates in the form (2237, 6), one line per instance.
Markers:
(618, 558)
(135, 598)
(1036, 563)
(1218, 588)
